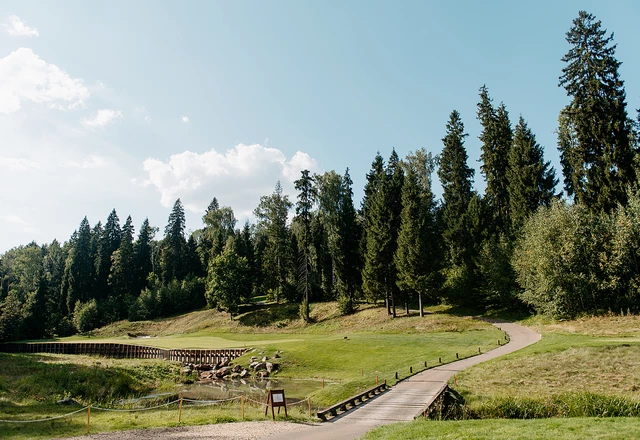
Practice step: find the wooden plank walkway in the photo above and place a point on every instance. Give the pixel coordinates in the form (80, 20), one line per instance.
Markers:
(409, 398)
(125, 351)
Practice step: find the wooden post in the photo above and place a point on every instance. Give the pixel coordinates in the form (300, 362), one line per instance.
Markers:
(180, 411)
(440, 360)
(88, 419)
(410, 370)
(242, 400)
(479, 350)
(323, 383)
(396, 375)
(309, 405)
(376, 380)
(498, 341)
(454, 380)
(457, 357)
(363, 372)
(425, 364)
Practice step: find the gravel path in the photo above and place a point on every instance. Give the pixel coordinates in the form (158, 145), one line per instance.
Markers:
(222, 431)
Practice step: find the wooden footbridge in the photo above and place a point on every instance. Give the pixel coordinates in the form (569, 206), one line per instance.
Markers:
(125, 351)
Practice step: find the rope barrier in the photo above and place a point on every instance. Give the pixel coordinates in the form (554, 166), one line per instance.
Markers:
(255, 401)
(210, 402)
(44, 420)
(135, 409)
(297, 403)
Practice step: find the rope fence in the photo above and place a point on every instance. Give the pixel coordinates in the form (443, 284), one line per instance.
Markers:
(180, 402)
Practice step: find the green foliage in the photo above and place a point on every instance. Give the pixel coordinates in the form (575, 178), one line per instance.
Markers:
(174, 245)
(571, 261)
(228, 281)
(497, 139)
(531, 180)
(85, 316)
(594, 134)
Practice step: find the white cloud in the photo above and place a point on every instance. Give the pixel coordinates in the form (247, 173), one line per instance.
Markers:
(18, 28)
(237, 177)
(15, 220)
(92, 161)
(18, 164)
(25, 76)
(102, 118)
(185, 119)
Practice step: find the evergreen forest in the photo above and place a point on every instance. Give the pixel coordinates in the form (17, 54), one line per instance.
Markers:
(564, 243)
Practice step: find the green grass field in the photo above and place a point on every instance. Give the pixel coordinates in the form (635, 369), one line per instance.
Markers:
(348, 352)
(499, 429)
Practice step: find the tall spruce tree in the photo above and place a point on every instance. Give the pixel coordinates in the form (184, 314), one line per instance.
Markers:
(531, 179)
(143, 255)
(347, 260)
(496, 138)
(375, 212)
(594, 134)
(122, 278)
(456, 178)
(304, 206)
(395, 180)
(78, 275)
(174, 245)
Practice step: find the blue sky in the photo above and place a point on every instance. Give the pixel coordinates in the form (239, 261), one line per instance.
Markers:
(129, 105)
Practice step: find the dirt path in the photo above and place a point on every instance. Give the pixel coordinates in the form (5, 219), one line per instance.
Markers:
(402, 403)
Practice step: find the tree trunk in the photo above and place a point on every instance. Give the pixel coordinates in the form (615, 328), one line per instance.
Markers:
(393, 304)
(420, 304)
(406, 308)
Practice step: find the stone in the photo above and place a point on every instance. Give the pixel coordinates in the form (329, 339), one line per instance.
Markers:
(269, 367)
(237, 368)
(244, 373)
(260, 366)
(277, 355)
(263, 374)
(265, 359)
(254, 365)
(222, 372)
(67, 401)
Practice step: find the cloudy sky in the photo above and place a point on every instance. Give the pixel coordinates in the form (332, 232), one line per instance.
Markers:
(130, 105)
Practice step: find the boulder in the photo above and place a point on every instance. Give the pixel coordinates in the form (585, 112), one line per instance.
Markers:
(237, 368)
(268, 366)
(265, 359)
(254, 365)
(222, 372)
(262, 374)
(244, 373)
(254, 358)
(260, 366)
(235, 376)
(277, 355)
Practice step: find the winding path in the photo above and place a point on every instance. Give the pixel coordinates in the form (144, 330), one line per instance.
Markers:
(408, 398)
(401, 403)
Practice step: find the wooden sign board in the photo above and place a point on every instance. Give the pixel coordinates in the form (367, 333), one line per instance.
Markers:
(276, 399)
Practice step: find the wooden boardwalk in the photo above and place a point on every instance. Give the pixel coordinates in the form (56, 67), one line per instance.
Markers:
(125, 351)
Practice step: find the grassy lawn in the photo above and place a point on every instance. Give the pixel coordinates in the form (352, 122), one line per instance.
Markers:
(590, 365)
(348, 352)
(494, 429)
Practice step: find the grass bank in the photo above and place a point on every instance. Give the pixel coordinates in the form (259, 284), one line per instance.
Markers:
(494, 429)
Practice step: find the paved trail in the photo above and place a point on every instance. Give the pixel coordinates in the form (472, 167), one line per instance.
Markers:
(402, 403)
(407, 399)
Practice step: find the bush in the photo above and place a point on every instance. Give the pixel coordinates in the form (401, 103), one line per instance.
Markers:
(85, 316)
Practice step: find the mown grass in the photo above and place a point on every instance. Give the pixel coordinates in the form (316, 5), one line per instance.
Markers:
(496, 429)
(347, 352)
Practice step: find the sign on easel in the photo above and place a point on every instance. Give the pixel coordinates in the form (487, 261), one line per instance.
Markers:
(276, 399)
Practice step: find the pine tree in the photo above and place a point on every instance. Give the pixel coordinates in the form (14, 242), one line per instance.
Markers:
(108, 244)
(144, 255)
(531, 179)
(347, 259)
(122, 277)
(594, 133)
(174, 245)
(456, 179)
(375, 211)
(306, 200)
(418, 254)
(496, 138)
(395, 180)
(78, 276)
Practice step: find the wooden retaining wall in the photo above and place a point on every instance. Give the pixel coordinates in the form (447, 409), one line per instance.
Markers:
(124, 351)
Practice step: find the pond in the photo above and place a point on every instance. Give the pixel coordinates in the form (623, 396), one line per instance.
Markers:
(295, 389)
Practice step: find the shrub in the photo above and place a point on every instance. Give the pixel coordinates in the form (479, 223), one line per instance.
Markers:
(85, 316)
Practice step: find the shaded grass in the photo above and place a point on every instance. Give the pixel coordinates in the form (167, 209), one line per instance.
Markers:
(29, 378)
(543, 429)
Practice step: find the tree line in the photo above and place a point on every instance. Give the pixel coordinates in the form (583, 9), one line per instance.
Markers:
(519, 244)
